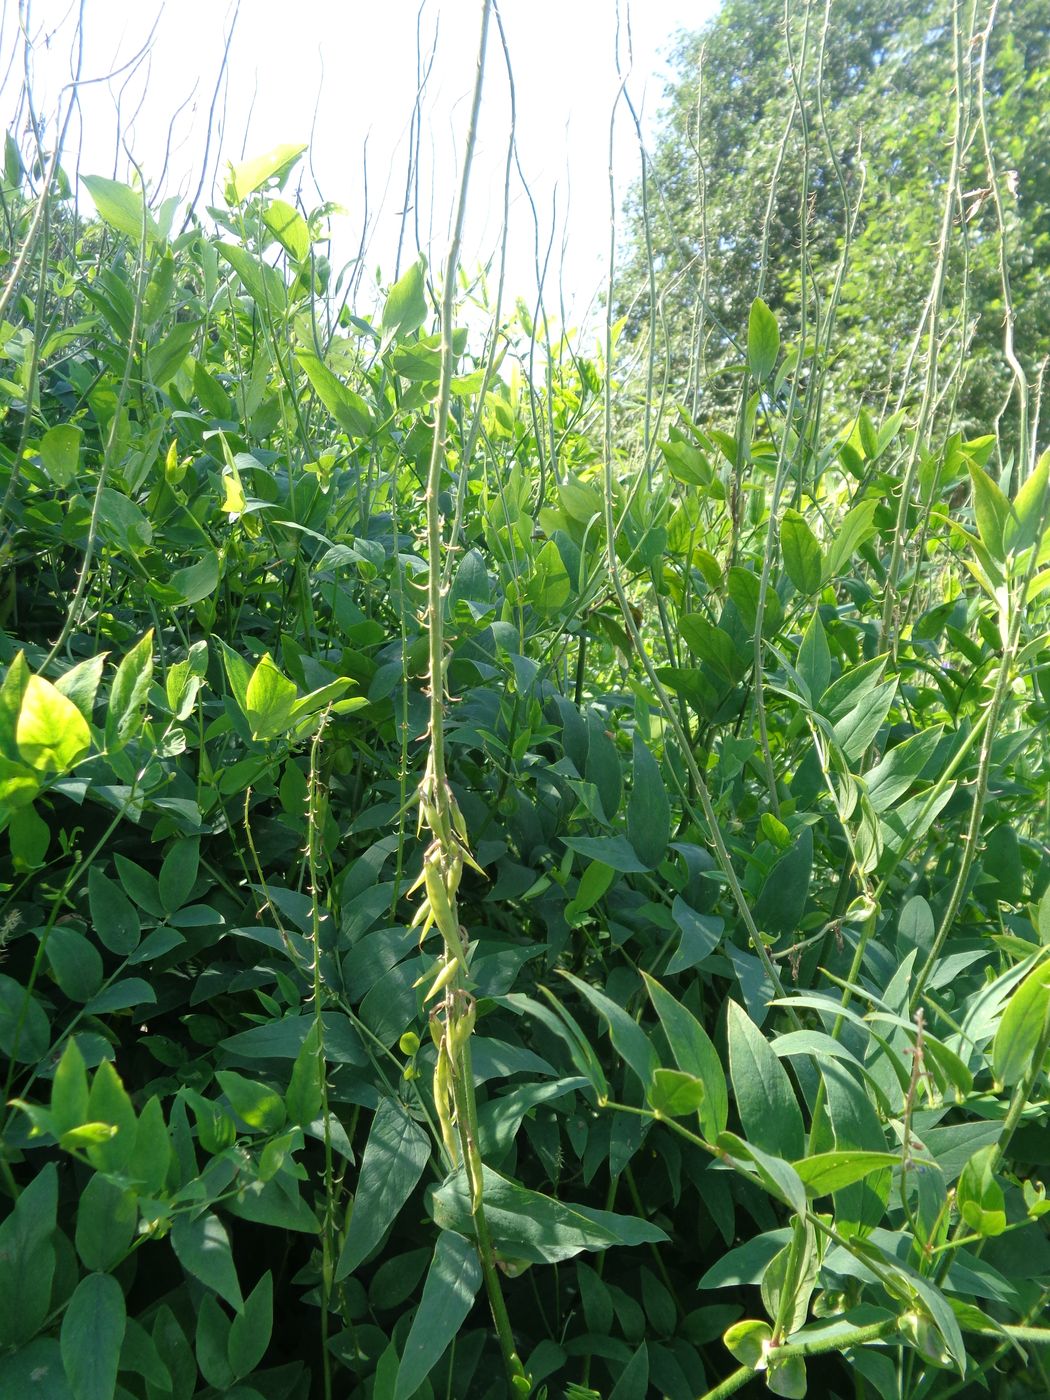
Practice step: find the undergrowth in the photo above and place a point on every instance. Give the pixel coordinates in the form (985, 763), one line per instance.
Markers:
(509, 886)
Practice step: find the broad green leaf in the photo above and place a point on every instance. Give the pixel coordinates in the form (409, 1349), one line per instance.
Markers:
(129, 693)
(29, 837)
(1028, 520)
(648, 808)
(814, 658)
(405, 308)
(895, 773)
(268, 700)
(69, 1089)
(395, 1155)
(855, 1125)
(251, 1329)
(289, 228)
(803, 560)
(765, 1100)
(202, 1247)
(150, 1157)
(530, 1226)
(106, 1219)
(35, 1372)
(993, 512)
(80, 683)
(121, 207)
(60, 452)
(25, 1031)
(763, 340)
(256, 1103)
(113, 916)
(108, 1102)
(695, 1054)
(91, 1337)
(347, 408)
(27, 1258)
(778, 1176)
(51, 733)
(263, 283)
(614, 851)
(304, 1097)
(628, 1038)
(856, 529)
(549, 587)
(247, 176)
(452, 1284)
(75, 963)
(782, 900)
(212, 1345)
(980, 1198)
(826, 1172)
(701, 935)
(1021, 1027)
(675, 1094)
(748, 1342)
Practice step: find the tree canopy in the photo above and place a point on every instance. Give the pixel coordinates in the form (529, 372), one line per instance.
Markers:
(851, 114)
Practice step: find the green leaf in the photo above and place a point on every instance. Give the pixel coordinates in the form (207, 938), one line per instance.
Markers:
(202, 1247)
(108, 1102)
(992, 510)
(814, 658)
(273, 166)
(980, 1198)
(857, 528)
(150, 1158)
(69, 1089)
(178, 874)
(452, 1284)
(268, 700)
(765, 1100)
(25, 1031)
(304, 1098)
(782, 900)
(251, 1330)
(27, 1258)
(129, 694)
(113, 916)
(614, 851)
(695, 1054)
(648, 808)
(347, 408)
(395, 1155)
(675, 1094)
(405, 308)
(1021, 1027)
(1027, 521)
(75, 963)
(257, 1104)
(35, 1372)
(763, 340)
(896, 772)
(803, 560)
(80, 683)
(701, 935)
(60, 453)
(91, 1337)
(29, 836)
(289, 228)
(627, 1036)
(121, 207)
(549, 587)
(106, 1221)
(51, 733)
(827, 1172)
(530, 1226)
(747, 1342)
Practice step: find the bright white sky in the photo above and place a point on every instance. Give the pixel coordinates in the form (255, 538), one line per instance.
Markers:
(355, 62)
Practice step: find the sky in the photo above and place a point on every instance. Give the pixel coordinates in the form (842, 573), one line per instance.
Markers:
(344, 75)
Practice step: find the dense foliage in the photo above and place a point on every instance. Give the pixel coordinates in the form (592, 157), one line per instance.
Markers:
(494, 903)
(868, 153)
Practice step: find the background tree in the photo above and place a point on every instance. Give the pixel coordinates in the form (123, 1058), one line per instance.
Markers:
(851, 110)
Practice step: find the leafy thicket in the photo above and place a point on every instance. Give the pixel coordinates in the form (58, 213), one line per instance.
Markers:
(692, 1038)
(721, 213)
